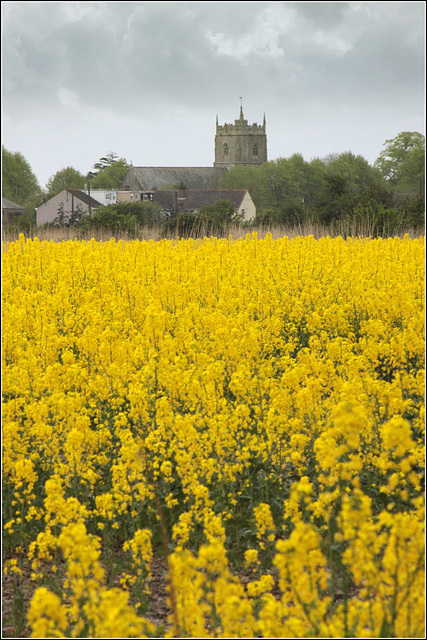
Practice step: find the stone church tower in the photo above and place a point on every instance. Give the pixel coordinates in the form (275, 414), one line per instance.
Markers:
(240, 144)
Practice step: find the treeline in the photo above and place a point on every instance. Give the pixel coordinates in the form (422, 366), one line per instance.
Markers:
(390, 194)
(293, 191)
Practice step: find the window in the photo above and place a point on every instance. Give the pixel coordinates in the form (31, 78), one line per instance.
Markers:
(255, 150)
(225, 150)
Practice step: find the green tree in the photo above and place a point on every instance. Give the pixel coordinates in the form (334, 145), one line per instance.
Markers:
(67, 178)
(106, 161)
(315, 182)
(402, 161)
(249, 178)
(411, 173)
(349, 181)
(110, 171)
(292, 185)
(283, 190)
(19, 183)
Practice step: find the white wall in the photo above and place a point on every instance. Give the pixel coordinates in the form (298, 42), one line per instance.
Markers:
(104, 196)
(248, 207)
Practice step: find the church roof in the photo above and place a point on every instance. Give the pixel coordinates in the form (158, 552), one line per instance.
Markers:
(152, 178)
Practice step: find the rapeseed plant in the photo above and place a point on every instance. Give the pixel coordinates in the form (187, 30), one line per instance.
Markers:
(252, 406)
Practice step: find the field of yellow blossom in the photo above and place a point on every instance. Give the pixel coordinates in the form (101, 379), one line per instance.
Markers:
(249, 411)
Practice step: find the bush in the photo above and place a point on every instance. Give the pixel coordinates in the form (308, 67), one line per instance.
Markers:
(124, 216)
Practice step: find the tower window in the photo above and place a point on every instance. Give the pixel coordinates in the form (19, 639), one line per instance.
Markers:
(225, 150)
(255, 150)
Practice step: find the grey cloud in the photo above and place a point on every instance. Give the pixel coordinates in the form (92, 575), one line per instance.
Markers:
(322, 14)
(163, 52)
(159, 64)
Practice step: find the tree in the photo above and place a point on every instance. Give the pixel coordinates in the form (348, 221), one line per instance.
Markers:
(249, 178)
(106, 161)
(315, 181)
(411, 173)
(283, 190)
(292, 184)
(19, 183)
(402, 160)
(67, 178)
(110, 171)
(350, 181)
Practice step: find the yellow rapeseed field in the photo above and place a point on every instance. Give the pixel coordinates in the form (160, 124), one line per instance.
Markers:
(253, 407)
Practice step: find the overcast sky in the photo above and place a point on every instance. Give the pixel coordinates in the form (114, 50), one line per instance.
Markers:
(147, 79)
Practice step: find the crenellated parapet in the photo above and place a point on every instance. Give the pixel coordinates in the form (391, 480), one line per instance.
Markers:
(237, 126)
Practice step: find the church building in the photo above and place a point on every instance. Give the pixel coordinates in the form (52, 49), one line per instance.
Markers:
(238, 144)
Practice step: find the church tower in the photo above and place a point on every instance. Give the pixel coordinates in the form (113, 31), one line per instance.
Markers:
(240, 143)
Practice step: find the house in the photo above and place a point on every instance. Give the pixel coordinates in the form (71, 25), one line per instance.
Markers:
(65, 205)
(192, 200)
(10, 210)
